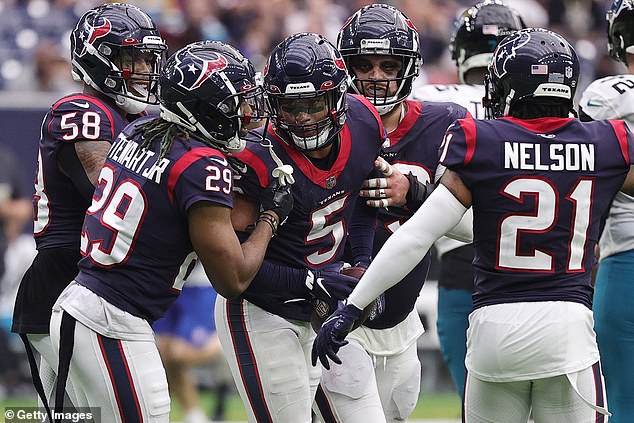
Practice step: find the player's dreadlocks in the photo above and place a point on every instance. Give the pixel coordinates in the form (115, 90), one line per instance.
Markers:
(155, 128)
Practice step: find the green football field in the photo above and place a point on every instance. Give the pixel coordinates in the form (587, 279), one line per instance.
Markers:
(430, 406)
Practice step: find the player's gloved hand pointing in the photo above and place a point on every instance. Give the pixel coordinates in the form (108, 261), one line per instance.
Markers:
(333, 332)
(278, 199)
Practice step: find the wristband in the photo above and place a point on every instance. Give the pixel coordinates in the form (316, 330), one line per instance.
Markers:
(270, 220)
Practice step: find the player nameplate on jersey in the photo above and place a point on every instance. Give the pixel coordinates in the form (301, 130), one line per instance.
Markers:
(331, 181)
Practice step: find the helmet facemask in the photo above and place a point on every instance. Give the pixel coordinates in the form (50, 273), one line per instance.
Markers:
(306, 83)
(385, 94)
(381, 30)
(324, 113)
(134, 73)
(225, 125)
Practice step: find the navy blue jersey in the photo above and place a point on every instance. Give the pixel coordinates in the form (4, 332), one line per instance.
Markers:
(411, 147)
(541, 191)
(59, 207)
(315, 232)
(135, 237)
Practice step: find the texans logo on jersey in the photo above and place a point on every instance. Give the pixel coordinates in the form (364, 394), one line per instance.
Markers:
(206, 63)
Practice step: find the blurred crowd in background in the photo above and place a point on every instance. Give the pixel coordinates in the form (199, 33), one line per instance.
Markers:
(34, 33)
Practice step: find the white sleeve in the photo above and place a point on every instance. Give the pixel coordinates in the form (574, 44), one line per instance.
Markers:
(463, 231)
(408, 245)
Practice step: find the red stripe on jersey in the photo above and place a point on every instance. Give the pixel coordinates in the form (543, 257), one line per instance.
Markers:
(469, 127)
(316, 175)
(183, 163)
(414, 109)
(256, 163)
(621, 134)
(540, 125)
(97, 102)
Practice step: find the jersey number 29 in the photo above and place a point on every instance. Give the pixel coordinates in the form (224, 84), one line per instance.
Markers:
(121, 209)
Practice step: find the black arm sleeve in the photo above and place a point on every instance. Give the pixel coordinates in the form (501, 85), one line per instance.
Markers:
(279, 280)
(361, 232)
(71, 165)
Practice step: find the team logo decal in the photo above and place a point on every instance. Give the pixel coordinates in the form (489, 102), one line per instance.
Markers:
(201, 67)
(507, 50)
(339, 63)
(410, 24)
(100, 31)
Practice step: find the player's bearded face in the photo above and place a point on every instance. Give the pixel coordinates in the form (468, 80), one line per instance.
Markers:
(298, 112)
(376, 75)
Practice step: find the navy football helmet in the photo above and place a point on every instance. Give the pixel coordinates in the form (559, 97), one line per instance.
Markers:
(532, 63)
(117, 49)
(306, 82)
(478, 31)
(621, 29)
(210, 89)
(381, 29)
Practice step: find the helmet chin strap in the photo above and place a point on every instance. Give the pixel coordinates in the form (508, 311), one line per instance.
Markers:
(383, 110)
(130, 105)
(312, 143)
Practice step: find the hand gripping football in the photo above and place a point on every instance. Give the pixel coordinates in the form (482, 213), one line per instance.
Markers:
(321, 309)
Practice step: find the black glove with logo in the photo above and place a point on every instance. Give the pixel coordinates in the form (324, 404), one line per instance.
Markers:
(278, 199)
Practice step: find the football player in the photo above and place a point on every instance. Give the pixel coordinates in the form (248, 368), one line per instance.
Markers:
(540, 184)
(329, 141)
(116, 52)
(163, 197)
(478, 31)
(613, 98)
(381, 377)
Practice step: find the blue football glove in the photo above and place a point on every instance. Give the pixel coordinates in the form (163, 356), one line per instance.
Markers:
(332, 334)
(329, 286)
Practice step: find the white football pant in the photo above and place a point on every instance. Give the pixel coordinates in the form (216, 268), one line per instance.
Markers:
(269, 358)
(551, 400)
(123, 379)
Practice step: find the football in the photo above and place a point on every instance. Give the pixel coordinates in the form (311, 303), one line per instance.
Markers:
(321, 310)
